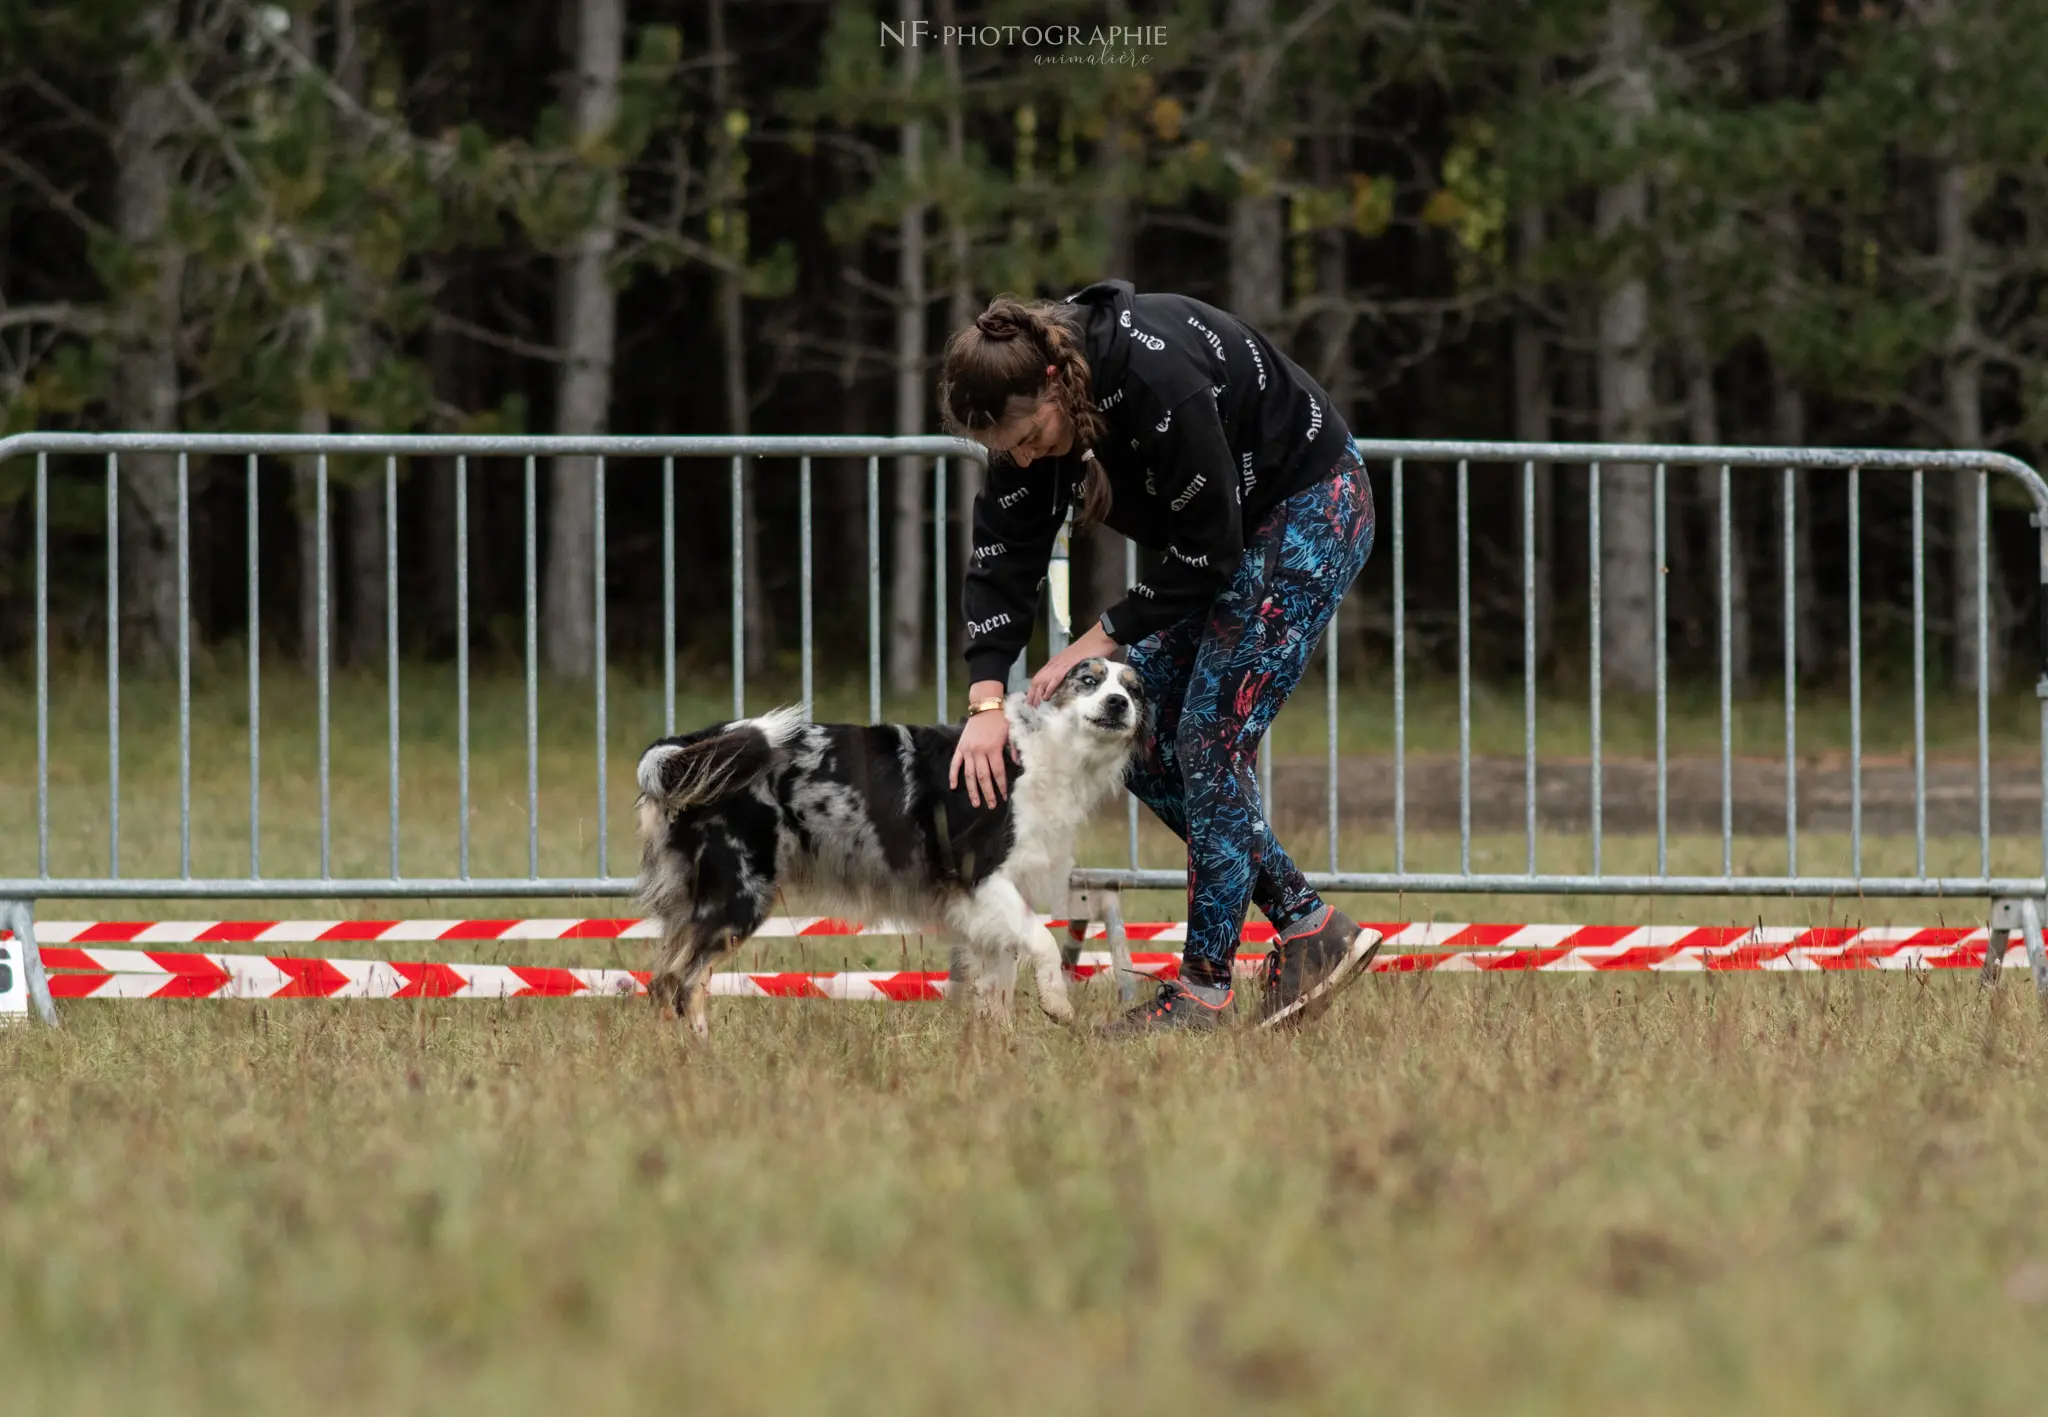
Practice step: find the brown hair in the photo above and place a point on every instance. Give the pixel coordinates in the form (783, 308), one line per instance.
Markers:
(1003, 356)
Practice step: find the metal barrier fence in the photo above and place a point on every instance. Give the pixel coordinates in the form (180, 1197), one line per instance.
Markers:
(1096, 886)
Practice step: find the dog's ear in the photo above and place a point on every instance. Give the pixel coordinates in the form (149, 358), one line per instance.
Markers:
(1128, 680)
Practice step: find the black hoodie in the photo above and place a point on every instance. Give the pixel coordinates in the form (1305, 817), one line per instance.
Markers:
(1209, 428)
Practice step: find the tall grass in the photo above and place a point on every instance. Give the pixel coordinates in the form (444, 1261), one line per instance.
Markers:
(1499, 1194)
(1529, 1195)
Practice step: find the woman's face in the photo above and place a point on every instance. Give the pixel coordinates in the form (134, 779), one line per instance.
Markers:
(1040, 430)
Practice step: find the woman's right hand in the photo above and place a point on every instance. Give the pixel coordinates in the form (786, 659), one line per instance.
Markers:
(978, 760)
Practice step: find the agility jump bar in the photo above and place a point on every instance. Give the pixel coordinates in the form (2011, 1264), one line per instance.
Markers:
(81, 971)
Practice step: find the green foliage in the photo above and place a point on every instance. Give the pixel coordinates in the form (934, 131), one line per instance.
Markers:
(303, 219)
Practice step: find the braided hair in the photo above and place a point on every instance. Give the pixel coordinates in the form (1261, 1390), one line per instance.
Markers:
(1002, 357)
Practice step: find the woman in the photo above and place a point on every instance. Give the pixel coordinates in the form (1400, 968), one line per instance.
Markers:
(1186, 430)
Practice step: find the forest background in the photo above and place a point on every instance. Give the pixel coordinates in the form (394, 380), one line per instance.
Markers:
(1742, 221)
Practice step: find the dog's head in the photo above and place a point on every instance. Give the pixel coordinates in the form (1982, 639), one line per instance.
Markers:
(1102, 698)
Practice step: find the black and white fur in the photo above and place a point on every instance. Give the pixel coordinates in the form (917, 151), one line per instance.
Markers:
(859, 821)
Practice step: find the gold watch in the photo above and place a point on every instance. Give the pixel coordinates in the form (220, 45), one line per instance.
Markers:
(976, 706)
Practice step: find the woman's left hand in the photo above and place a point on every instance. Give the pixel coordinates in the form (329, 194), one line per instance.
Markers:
(1096, 644)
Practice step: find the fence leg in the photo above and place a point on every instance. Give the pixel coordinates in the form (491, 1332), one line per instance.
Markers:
(1999, 941)
(1119, 946)
(22, 981)
(2037, 958)
(1080, 911)
(1087, 906)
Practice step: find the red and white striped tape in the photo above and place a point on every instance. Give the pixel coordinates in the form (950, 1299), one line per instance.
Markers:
(1881, 940)
(89, 971)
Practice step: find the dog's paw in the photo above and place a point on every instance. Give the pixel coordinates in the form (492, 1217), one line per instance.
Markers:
(1056, 1006)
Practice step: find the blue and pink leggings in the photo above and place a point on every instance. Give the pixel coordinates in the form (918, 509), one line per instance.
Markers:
(1216, 681)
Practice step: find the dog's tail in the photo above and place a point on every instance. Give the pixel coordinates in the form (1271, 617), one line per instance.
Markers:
(677, 776)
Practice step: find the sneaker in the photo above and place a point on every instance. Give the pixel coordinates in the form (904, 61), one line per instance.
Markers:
(1176, 1006)
(1321, 955)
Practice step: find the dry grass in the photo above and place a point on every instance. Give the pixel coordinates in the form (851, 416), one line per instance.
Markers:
(1486, 1195)
(567, 779)
(1476, 1194)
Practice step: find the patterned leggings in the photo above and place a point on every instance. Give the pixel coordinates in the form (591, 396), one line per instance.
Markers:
(1216, 681)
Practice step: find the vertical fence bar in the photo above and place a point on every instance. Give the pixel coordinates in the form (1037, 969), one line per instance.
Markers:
(1919, 673)
(1593, 578)
(1983, 674)
(1330, 727)
(2040, 519)
(462, 662)
(532, 613)
(1856, 672)
(113, 665)
(598, 672)
(874, 592)
(1400, 682)
(43, 665)
(940, 633)
(668, 597)
(739, 587)
(250, 552)
(1529, 659)
(1464, 668)
(1663, 676)
(1059, 587)
(1130, 798)
(1790, 636)
(1727, 627)
(391, 644)
(323, 609)
(185, 675)
(803, 493)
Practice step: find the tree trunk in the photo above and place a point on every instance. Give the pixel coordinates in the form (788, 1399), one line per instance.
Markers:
(306, 505)
(729, 198)
(449, 29)
(1703, 429)
(1963, 397)
(1788, 399)
(144, 390)
(1330, 157)
(586, 317)
(856, 416)
(310, 324)
(1788, 429)
(1117, 216)
(363, 496)
(1532, 424)
(960, 305)
(907, 583)
(1962, 279)
(1256, 241)
(1255, 249)
(1626, 408)
(435, 541)
(366, 602)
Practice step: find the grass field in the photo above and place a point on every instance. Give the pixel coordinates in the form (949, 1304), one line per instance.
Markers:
(1487, 1195)
(1473, 1194)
